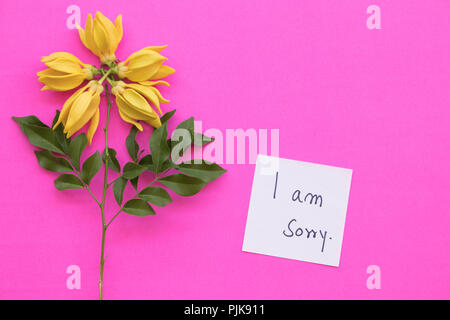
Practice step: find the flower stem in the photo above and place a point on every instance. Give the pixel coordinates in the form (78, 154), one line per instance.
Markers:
(105, 76)
(105, 187)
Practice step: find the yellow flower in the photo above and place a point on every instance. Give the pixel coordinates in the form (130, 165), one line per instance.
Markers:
(81, 107)
(145, 64)
(65, 72)
(101, 36)
(134, 107)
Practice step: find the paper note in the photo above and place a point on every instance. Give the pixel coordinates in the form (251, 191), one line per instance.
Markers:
(297, 210)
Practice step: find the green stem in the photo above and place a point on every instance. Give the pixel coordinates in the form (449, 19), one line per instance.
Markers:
(105, 76)
(105, 187)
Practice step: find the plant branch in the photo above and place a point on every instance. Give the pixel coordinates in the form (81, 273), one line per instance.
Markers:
(158, 176)
(105, 187)
(85, 186)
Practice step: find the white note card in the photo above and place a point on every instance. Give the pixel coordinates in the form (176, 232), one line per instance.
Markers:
(297, 210)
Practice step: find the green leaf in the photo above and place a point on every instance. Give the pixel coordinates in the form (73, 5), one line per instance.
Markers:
(76, 147)
(138, 207)
(132, 145)
(113, 163)
(147, 162)
(187, 124)
(167, 165)
(159, 148)
(134, 182)
(155, 195)
(131, 170)
(68, 181)
(48, 161)
(55, 118)
(30, 120)
(60, 136)
(177, 148)
(167, 116)
(200, 139)
(118, 188)
(182, 184)
(205, 171)
(90, 167)
(39, 134)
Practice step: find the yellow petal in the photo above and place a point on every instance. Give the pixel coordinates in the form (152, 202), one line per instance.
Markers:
(67, 105)
(50, 72)
(163, 72)
(110, 30)
(90, 111)
(142, 65)
(129, 110)
(156, 48)
(140, 74)
(121, 106)
(61, 55)
(89, 36)
(82, 35)
(93, 125)
(64, 65)
(160, 97)
(62, 82)
(147, 93)
(154, 122)
(154, 83)
(101, 38)
(139, 106)
(119, 28)
(82, 110)
(109, 26)
(144, 58)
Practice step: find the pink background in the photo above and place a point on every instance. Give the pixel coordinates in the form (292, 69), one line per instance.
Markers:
(376, 101)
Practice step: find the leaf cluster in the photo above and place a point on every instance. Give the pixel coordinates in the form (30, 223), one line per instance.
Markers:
(60, 154)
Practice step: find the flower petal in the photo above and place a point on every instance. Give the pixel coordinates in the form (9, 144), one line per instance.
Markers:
(64, 65)
(138, 104)
(61, 55)
(147, 93)
(156, 48)
(82, 35)
(156, 123)
(93, 125)
(140, 74)
(154, 83)
(101, 38)
(89, 36)
(82, 110)
(67, 105)
(122, 106)
(162, 72)
(50, 73)
(61, 82)
(144, 58)
(110, 30)
(119, 28)
(160, 97)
